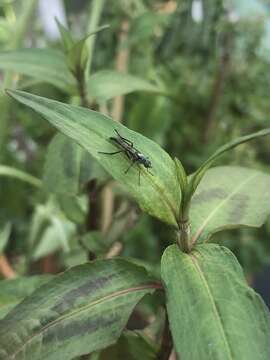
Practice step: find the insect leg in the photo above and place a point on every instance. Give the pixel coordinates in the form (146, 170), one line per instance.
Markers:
(133, 163)
(111, 153)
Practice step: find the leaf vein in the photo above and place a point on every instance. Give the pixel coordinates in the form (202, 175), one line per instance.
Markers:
(218, 207)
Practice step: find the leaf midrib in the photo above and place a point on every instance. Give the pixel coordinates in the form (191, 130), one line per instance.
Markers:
(195, 262)
(216, 209)
(82, 309)
(162, 195)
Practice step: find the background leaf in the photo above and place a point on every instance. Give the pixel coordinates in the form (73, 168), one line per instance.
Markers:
(228, 197)
(80, 311)
(66, 37)
(54, 237)
(132, 345)
(20, 175)
(62, 166)
(159, 192)
(213, 313)
(106, 84)
(198, 175)
(46, 65)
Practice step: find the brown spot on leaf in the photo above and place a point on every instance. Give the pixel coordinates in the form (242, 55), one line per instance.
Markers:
(69, 299)
(77, 328)
(216, 193)
(238, 208)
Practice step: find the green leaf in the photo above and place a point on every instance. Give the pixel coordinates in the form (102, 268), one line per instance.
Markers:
(183, 181)
(53, 238)
(229, 197)
(132, 345)
(159, 192)
(213, 313)
(46, 65)
(181, 174)
(4, 236)
(20, 175)
(78, 55)
(66, 37)
(62, 166)
(107, 84)
(49, 230)
(198, 175)
(74, 207)
(80, 311)
(14, 291)
(68, 167)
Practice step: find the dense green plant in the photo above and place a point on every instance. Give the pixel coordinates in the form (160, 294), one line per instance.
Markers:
(196, 299)
(203, 283)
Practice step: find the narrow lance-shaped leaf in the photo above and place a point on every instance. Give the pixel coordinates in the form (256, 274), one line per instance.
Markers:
(77, 55)
(229, 197)
(182, 176)
(198, 175)
(66, 36)
(157, 193)
(106, 84)
(213, 313)
(81, 311)
(46, 65)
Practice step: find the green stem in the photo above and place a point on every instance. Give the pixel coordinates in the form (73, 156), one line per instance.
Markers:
(95, 15)
(183, 223)
(184, 236)
(81, 86)
(20, 175)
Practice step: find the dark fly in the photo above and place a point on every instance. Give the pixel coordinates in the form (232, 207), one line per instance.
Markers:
(134, 155)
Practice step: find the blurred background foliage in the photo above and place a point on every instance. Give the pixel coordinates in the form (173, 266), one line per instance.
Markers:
(210, 61)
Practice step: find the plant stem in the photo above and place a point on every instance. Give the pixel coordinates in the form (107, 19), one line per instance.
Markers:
(183, 223)
(166, 343)
(184, 236)
(95, 15)
(218, 86)
(81, 85)
(5, 268)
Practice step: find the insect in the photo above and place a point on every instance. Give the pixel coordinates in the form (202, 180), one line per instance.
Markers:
(134, 155)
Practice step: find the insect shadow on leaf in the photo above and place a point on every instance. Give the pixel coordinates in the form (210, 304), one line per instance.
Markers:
(134, 155)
